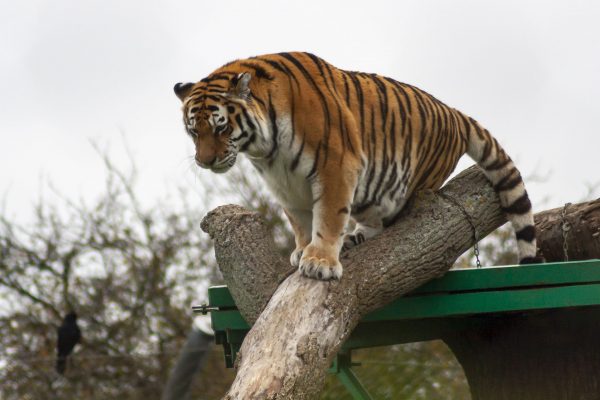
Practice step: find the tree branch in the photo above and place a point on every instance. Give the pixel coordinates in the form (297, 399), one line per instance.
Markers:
(582, 237)
(299, 323)
(305, 321)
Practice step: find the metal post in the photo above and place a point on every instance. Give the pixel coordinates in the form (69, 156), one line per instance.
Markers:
(342, 367)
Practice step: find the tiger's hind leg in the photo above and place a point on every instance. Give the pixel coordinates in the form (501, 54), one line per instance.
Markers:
(368, 224)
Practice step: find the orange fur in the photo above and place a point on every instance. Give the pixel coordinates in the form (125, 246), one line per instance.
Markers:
(333, 143)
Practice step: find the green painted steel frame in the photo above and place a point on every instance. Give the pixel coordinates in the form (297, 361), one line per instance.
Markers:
(459, 300)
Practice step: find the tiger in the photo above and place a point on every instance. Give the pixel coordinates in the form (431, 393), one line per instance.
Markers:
(334, 145)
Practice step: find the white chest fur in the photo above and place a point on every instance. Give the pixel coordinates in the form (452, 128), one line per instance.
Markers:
(291, 188)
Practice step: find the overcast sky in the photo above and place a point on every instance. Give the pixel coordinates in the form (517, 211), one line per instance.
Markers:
(75, 71)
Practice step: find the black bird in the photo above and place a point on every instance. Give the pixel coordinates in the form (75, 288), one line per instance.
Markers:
(68, 336)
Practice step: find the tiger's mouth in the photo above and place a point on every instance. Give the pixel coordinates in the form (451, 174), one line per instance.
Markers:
(220, 170)
(224, 165)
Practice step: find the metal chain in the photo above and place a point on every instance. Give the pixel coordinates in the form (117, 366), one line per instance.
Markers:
(566, 227)
(476, 246)
(470, 221)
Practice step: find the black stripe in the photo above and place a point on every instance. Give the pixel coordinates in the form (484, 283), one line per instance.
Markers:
(313, 170)
(402, 111)
(248, 119)
(496, 165)
(330, 73)
(400, 89)
(238, 120)
(346, 90)
(476, 127)
(527, 234)
(259, 71)
(520, 206)
(297, 157)
(214, 86)
(384, 167)
(282, 68)
(372, 150)
(272, 63)
(487, 150)
(358, 209)
(343, 210)
(275, 130)
(361, 104)
(292, 113)
(383, 99)
(342, 127)
(248, 142)
(402, 182)
(467, 126)
(390, 183)
(241, 136)
(219, 76)
(291, 76)
(322, 98)
(254, 97)
(509, 182)
(393, 133)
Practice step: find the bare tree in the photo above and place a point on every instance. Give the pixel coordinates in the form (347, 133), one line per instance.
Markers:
(129, 271)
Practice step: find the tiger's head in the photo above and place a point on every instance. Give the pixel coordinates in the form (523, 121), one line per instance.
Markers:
(216, 118)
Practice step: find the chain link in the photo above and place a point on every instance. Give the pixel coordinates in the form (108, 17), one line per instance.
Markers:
(476, 246)
(566, 227)
(470, 221)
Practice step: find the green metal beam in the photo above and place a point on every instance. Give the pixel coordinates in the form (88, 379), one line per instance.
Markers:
(460, 300)
(469, 292)
(444, 305)
(342, 367)
(514, 276)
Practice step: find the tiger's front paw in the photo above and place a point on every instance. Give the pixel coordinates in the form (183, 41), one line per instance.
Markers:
(319, 264)
(296, 256)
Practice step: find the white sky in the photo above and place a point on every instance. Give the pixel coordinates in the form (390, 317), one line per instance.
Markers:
(75, 71)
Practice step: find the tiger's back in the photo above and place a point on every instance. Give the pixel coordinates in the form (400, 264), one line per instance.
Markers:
(331, 143)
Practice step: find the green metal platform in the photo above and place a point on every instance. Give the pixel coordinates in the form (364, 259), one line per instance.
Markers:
(450, 304)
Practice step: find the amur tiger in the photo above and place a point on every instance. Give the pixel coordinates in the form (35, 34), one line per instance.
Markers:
(334, 144)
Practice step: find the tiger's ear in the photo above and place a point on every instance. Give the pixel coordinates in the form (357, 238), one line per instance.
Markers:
(183, 89)
(241, 85)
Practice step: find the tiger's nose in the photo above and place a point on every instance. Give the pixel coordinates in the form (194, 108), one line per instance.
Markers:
(205, 163)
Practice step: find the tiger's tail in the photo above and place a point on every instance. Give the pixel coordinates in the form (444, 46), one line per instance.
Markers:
(508, 183)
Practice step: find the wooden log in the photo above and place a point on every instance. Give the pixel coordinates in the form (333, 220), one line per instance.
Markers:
(293, 341)
(582, 237)
(299, 324)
